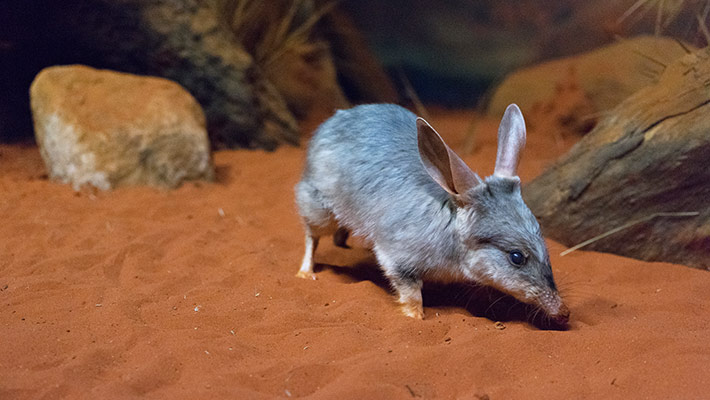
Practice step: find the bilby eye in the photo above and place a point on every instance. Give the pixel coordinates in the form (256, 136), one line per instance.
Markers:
(517, 257)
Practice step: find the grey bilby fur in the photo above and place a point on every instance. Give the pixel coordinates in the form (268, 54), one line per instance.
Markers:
(379, 172)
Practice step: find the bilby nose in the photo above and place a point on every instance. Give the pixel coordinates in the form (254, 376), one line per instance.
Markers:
(561, 317)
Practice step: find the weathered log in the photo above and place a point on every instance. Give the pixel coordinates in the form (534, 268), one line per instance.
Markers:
(650, 155)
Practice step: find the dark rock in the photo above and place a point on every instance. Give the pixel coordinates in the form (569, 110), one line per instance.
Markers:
(183, 40)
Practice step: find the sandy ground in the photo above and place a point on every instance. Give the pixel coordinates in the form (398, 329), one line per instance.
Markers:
(191, 294)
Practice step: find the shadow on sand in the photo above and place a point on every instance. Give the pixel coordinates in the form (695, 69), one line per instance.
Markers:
(479, 301)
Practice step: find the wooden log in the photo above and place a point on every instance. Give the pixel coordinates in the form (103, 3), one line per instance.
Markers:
(650, 155)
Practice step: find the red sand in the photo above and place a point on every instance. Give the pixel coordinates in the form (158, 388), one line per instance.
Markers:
(145, 293)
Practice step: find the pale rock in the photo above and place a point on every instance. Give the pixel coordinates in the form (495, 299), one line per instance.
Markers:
(108, 129)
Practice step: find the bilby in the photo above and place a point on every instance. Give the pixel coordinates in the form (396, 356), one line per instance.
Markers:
(379, 172)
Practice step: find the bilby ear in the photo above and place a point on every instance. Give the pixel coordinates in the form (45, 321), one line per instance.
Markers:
(443, 165)
(511, 140)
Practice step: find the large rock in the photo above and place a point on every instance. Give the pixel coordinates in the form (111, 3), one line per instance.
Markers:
(607, 75)
(108, 129)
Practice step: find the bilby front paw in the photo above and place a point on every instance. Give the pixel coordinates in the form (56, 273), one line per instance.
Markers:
(413, 311)
(306, 275)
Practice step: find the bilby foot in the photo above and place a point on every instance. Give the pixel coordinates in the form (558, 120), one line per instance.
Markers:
(306, 275)
(410, 296)
(413, 310)
(306, 270)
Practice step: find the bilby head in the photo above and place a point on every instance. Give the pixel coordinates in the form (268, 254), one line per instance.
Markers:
(500, 241)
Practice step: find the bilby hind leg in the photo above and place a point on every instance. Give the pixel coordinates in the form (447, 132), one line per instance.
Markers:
(306, 270)
(313, 234)
(407, 285)
(317, 220)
